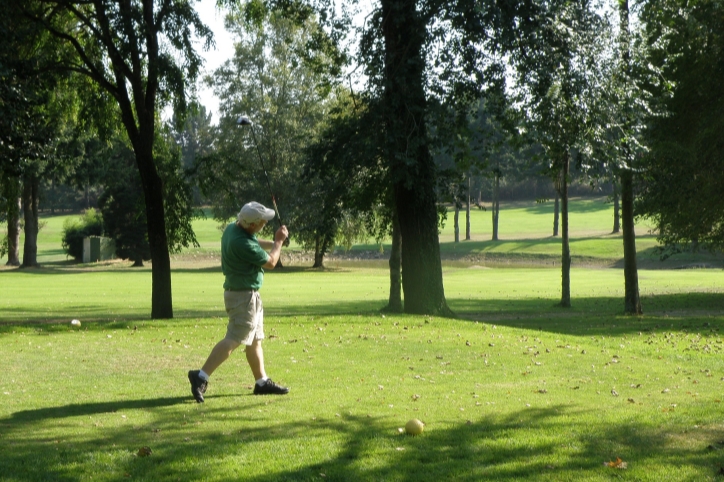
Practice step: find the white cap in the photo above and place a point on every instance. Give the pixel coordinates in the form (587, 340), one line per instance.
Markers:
(254, 212)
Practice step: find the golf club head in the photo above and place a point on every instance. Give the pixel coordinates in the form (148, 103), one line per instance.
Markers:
(243, 121)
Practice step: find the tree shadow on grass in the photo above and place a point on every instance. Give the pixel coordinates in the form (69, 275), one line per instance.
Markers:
(96, 317)
(597, 315)
(529, 444)
(523, 248)
(588, 315)
(577, 205)
(92, 408)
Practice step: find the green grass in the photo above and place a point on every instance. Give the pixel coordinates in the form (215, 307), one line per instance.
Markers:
(116, 293)
(515, 389)
(524, 239)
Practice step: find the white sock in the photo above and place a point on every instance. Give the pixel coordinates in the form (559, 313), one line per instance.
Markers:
(203, 376)
(262, 381)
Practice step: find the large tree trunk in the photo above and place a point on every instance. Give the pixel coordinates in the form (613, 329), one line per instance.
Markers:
(616, 209)
(556, 213)
(11, 191)
(467, 214)
(320, 249)
(496, 205)
(565, 244)
(457, 222)
(394, 304)
(31, 186)
(411, 165)
(161, 297)
(632, 303)
(52, 197)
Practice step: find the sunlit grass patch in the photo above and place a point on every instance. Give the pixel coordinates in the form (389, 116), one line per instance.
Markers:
(500, 401)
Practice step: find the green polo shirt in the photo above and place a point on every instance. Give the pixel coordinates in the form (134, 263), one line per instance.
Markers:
(242, 259)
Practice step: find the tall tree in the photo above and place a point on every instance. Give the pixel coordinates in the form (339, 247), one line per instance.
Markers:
(682, 177)
(413, 49)
(632, 301)
(347, 165)
(345, 171)
(412, 169)
(32, 109)
(557, 63)
(628, 108)
(142, 54)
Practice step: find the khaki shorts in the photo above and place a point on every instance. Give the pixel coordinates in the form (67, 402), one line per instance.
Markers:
(246, 316)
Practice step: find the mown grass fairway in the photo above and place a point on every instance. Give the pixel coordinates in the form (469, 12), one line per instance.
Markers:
(515, 389)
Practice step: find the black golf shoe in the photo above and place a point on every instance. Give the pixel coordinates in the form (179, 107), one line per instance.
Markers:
(270, 388)
(198, 386)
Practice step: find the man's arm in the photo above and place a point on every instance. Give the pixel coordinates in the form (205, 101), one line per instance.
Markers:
(276, 247)
(265, 244)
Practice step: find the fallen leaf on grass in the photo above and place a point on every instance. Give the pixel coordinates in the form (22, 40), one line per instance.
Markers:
(144, 452)
(617, 464)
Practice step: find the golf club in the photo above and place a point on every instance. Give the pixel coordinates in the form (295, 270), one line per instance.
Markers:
(245, 121)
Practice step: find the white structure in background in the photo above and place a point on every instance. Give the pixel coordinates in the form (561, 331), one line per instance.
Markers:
(98, 248)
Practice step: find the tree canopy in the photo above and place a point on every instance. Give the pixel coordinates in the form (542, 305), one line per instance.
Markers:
(683, 174)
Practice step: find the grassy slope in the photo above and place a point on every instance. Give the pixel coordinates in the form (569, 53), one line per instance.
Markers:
(525, 237)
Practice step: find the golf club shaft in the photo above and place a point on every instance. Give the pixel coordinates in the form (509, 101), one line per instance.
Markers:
(268, 183)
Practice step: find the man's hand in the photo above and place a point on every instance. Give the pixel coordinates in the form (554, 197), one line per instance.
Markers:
(281, 235)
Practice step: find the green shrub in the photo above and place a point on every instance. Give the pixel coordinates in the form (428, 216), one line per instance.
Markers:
(74, 230)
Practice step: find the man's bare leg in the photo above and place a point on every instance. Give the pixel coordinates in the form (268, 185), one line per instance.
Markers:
(255, 357)
(219, 355)
(264, 385)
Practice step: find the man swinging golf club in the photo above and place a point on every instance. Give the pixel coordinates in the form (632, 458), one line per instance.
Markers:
(243, 260)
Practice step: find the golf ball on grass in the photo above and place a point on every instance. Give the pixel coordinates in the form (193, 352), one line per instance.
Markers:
(414, 427)
(75, 322)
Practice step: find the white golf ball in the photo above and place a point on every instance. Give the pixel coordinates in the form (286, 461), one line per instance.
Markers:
(75, 322)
